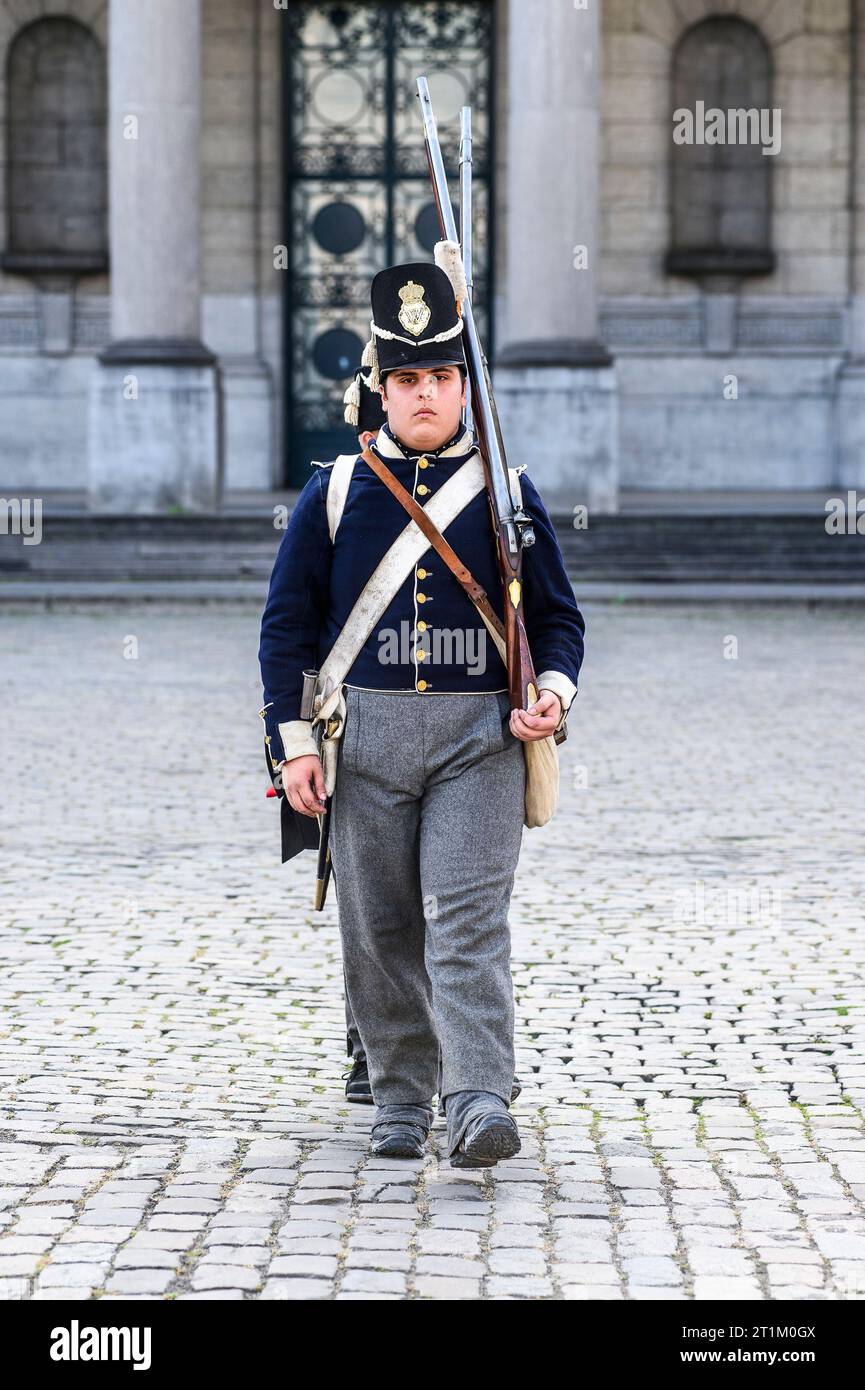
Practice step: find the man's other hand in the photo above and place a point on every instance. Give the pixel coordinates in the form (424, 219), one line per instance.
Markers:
(540, 719)
(303, 780)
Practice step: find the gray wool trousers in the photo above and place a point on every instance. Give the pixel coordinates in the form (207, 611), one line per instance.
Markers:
(425, 835)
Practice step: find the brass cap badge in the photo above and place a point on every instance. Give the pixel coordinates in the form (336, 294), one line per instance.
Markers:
(415, 314)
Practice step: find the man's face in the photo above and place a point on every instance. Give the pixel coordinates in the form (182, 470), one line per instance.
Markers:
(423, 405)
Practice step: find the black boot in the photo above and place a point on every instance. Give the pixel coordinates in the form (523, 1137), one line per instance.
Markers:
(357, 1087)
(480, 1130)
(400, 1131)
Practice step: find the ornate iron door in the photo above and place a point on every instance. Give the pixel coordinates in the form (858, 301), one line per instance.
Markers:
(357, 194)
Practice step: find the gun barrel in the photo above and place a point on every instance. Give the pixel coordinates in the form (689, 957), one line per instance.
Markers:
(466, 218)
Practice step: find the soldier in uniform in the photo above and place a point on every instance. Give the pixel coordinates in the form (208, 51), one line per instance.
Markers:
(428, 804)
(368, 417)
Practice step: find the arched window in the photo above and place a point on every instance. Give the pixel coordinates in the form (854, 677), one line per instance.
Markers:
(56, 167)
(721, 179)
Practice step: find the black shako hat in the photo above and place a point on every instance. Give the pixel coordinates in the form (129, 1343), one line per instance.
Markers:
(417, 315)
(363, 408)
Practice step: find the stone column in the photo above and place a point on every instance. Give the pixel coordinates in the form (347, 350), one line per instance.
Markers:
(552, 369)
(851, 385)
(154, 403)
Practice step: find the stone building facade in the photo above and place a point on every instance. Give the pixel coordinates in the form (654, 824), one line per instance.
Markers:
(196, 192)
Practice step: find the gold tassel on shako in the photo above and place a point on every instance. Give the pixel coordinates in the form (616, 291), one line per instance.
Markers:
(449, 258)
(352, 402)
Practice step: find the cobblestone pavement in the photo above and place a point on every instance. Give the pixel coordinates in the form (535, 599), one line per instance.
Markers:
(687, 949)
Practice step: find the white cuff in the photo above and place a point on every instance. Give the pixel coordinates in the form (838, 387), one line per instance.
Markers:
(297, 739)
(560, 685)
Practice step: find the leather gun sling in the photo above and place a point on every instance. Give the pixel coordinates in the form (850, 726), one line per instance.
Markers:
(474, 590)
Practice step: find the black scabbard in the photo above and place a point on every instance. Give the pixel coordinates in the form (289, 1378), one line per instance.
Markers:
(324, 866)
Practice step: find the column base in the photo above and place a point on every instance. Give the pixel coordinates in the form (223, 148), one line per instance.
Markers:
(851, 425)
(155, 438)
(562, 422)
(556, 352)
(247, 389)
(165, 352)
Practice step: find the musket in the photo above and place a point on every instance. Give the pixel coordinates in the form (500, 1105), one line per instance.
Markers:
(513, 526)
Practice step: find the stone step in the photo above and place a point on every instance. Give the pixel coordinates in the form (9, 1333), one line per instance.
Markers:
(635, 548)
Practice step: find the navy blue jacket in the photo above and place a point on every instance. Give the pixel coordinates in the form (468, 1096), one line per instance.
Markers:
(314, 585)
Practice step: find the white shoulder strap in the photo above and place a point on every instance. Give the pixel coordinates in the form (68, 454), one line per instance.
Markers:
(337, 489)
